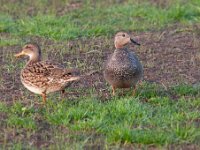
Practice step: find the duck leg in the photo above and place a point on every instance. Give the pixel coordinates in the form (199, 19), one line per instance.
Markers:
(113, 90)
(43, 97)
(63, 92)
(135, 87)
(134, 91)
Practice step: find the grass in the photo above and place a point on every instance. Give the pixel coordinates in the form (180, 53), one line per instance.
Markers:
(156, 117)
(160, 121)
(94, 21)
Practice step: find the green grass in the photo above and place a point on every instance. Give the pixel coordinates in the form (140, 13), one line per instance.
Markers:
(94, 21)
(160, 121)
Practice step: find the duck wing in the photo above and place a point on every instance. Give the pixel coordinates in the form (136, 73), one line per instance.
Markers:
(45, 73)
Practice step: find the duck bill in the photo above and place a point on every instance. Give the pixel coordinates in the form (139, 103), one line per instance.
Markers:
(20, 54)
(134, 42)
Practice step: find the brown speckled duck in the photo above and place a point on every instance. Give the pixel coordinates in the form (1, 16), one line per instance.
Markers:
(43, 77)
(123, 69)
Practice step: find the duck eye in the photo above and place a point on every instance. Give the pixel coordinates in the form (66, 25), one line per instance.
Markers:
(27, 46)
(123, 35)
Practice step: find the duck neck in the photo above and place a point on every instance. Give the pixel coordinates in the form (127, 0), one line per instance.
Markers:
(34, 58)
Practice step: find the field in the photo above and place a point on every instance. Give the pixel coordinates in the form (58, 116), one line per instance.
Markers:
(164, 113)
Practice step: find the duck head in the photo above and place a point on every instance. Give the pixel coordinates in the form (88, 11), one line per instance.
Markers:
(33, 51)
(122, 39)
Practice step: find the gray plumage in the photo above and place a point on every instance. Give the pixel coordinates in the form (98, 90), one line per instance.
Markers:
(122, 69)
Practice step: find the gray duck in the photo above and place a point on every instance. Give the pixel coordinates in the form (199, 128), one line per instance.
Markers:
(123, 69)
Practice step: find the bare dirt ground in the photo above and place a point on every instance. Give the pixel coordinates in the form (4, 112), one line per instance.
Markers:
(169, 57)
(172, 56)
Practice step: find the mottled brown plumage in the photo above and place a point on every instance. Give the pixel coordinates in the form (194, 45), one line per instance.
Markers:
(43, 77)
(123, 69)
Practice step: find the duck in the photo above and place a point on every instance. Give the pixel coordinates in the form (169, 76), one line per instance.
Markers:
(44, 77)
(123, 68)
